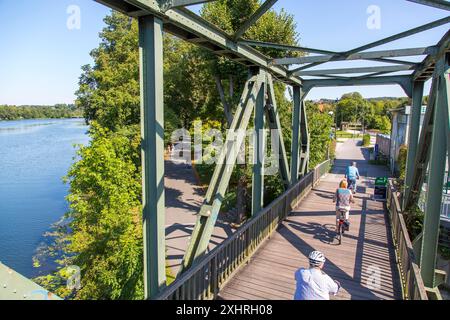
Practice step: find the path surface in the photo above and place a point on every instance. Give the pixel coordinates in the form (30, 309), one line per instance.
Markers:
(183, 201)
(366, 250)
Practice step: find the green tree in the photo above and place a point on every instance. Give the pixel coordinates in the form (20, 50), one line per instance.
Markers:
(102, 232)
(229, 15)
(319, 126)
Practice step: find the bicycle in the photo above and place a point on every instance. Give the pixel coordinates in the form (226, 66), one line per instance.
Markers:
(343, 225)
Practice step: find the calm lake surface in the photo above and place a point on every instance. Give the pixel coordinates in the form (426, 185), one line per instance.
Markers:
(34, 157)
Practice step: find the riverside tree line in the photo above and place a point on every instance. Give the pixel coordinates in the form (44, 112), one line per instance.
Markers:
(10, 112)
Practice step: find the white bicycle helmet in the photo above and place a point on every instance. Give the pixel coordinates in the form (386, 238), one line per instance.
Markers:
(316, 258)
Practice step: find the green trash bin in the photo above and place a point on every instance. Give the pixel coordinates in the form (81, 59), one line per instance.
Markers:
(380, 191)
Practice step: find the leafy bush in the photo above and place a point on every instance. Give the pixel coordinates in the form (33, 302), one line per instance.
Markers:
(332, 147)
(366, 140)
(401, 160)
(414, 221)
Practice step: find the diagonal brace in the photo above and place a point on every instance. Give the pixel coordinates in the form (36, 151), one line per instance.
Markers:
(275, 124)
(204, 226)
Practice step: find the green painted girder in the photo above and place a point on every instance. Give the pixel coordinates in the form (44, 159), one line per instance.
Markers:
(295, 145)
(275, 124)
(440, 4)
(169, 4)
(423, 150)
(209, 211)
(255, 17)
(259, 150)
(405, 81)
(401, 35)
(355, 70)
(304, 137)
(186, 25)
(262, 44)
(358, 56)
(152, 146)
(438, 158)
(425, 69)
(413, 135)
(383, 41)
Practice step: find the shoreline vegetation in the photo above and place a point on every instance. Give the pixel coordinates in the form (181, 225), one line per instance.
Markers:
(27, 112)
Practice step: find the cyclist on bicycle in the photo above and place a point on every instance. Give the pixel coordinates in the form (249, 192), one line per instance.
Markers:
(343, 197)
(313, 283)
(352, 174)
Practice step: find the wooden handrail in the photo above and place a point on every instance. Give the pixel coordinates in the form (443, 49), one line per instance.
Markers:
(206, 277)
(412, 283)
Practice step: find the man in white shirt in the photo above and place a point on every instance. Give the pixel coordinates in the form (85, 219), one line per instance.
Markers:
(313, 283)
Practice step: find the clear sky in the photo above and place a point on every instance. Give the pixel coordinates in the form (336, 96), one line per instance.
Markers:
(41, 57)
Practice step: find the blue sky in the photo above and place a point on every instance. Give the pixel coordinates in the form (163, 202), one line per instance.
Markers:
(40, 58)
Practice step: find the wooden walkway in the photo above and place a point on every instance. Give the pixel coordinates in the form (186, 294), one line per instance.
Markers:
(364, 263)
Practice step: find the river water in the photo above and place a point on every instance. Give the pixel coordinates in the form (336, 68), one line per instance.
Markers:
(34, 157)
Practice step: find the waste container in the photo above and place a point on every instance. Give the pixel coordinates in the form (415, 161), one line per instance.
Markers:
(380, 190)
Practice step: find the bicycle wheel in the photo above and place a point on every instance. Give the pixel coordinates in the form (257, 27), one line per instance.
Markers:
(340, 234)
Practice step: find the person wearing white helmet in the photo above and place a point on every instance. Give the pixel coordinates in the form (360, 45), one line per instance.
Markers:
(313, 283)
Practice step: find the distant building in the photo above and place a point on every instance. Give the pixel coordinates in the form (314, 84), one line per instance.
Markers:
(399, 134)
(346, 126)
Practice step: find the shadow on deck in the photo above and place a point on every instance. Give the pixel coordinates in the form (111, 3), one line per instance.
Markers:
(364, 263)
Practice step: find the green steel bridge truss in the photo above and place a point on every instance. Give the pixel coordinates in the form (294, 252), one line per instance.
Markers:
(426, 151)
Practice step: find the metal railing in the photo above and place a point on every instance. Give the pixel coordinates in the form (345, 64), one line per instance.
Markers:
(445, 204)
(204, 279)
(412, 284)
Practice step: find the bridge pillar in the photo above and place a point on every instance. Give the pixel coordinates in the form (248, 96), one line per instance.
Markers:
(413, 135)
(152, 131)
(438, 158)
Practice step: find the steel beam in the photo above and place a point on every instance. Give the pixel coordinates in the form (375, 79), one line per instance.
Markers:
(275, 124)
(401, 35)
(354, 70)
(209, 211)
(255, 17)
(438, 158)
(186, 25)
(259, 151)
(394, 61)
(413, 135)
(295, 149)
(304, 138)
(404, 81)
(358, 56)
(286, 47)
(425, 69)
(183, 3)
(152, 130)
(440, 4)
(374, 44)
(423, 150)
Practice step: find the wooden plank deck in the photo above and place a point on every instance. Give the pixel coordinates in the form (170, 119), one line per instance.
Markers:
(366, 250)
